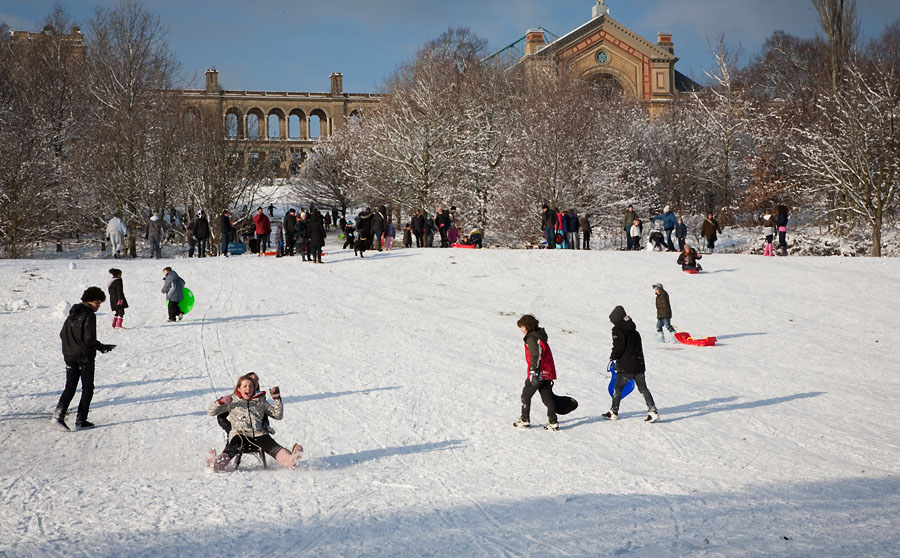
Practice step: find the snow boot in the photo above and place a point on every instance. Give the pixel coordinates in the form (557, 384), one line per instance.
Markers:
(522, 424)
(554, 426)
(115, 322)
(83, 424)
(661, 337)
(610, 415)
(296, 455)
(220, 462)
(58, 420)
(652, 416)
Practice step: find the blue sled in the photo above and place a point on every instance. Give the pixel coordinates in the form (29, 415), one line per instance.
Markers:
(236, 247)
(629, 387)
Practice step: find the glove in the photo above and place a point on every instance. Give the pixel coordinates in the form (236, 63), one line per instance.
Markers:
(276, 393)
(105, 348)
(120, 303)
(534, 377)
(225, 400)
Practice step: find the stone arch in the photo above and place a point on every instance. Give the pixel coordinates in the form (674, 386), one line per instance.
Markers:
(256, 124)
(323, 124)
(276, 124)
(297, 126)
(612, 80)
(234, 123)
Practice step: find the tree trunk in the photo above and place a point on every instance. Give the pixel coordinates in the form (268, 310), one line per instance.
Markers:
(876, 237)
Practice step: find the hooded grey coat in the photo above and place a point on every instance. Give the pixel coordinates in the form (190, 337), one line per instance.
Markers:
(172, 286)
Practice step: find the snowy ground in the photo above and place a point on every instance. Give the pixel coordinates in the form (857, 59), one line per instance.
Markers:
(401, 374)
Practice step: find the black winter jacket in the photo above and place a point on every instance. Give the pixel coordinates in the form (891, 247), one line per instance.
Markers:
(201, 228)
(290, 223)
(378, 220)
(117, 295)
(79, 335)
(301, 230)
(627, 350)
(364, 224)
(316, 230)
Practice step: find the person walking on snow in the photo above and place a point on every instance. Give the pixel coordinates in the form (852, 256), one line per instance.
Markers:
(669, 222)
(115, 230)
(540, 375)
(708, 231)
(117, 301)
(263, 229)
(768, 229)
(201, 233)
(79, 348)
(227, 231)
(781, 221)
(389, 234)
(663, 313)
(628, 355)
(154, 233)
(680, 233)
(246, 410)
(173, 287)
(629, 217)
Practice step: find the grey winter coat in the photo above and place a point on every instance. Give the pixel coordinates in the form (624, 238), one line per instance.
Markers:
(246, 416)
(172, 286)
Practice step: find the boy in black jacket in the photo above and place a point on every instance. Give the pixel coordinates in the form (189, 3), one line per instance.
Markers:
(629, 356)
(79, 347)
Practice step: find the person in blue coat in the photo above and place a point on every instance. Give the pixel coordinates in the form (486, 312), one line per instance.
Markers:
(669, 222)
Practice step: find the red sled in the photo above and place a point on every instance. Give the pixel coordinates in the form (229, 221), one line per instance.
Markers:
(691, 271)
(457, 245)
(686, 339)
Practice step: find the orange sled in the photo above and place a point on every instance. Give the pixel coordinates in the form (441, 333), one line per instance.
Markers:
(686, 339)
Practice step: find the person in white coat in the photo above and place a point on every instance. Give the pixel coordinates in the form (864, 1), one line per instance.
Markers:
(115, 231)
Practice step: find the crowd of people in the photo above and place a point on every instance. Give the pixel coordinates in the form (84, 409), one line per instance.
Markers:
(303, 232)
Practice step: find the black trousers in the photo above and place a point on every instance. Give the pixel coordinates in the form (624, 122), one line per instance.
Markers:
(640, 382)
(241, 443)
(174, 310)
(545, 388)
(75, 371)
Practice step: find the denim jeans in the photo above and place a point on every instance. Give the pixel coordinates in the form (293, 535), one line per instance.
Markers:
(661, 322)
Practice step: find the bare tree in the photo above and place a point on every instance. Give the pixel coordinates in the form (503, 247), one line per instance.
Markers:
(841, 29)
(130, 71)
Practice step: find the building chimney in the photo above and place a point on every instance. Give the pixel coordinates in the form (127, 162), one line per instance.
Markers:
(600, 9)
(664, 41)
(337, 83)
(212, 81)
(534, 41)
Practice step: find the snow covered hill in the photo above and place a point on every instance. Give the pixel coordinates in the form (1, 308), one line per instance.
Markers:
(401, 376)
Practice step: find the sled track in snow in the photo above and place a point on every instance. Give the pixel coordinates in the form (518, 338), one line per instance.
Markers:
(205, 355)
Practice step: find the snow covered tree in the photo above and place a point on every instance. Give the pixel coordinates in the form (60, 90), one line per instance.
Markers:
(854, 149)
(130, 71)
(724, 108)
(327, 179)
(41, 96)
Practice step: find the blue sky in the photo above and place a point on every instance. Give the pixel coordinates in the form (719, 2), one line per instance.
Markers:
(294, 45)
